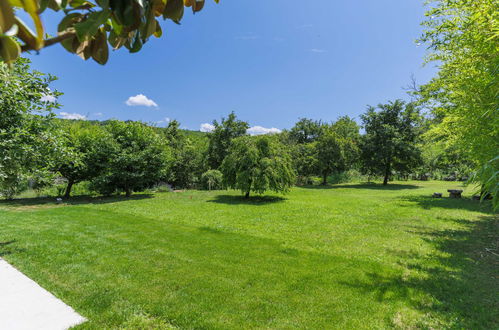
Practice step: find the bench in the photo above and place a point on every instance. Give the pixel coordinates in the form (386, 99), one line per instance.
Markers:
(437, 195)
(455, 193)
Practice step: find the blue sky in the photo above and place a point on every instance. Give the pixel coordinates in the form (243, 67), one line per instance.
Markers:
(271, 62)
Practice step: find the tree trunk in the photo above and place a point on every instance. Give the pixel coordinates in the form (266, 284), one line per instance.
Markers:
(387, 175)
(247, 194)
(324, 179)
(128, 192)
(67, 194)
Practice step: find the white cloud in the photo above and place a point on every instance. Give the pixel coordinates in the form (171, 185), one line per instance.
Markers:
(77, 116)
(48, 98)
(140, 100)
(206, 127)
(317, 50)
(259, 130)
(98, 114)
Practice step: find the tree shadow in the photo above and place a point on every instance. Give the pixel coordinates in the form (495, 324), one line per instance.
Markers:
(77, 200)
(428, 202)
(252, 200)
(459, 283)
(7, 248)
(365, 185)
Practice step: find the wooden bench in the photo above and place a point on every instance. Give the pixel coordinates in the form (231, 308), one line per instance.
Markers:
(455, 193)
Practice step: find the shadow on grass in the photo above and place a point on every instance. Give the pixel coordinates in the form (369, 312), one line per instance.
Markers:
(77, 200)
(9, 247)
(459, 284)
(252, 200)
(428, 202)
(366, 185)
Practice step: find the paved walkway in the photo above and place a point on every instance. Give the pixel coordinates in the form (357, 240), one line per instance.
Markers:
(24, 305)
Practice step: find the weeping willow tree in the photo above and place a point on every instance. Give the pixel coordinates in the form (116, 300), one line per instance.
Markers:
(463, 39)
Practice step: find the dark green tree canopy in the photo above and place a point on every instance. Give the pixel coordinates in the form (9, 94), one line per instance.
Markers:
(221, 138)
(306, 130)
(258, 164)
(390, 141)
(88, 26)
(137, 160)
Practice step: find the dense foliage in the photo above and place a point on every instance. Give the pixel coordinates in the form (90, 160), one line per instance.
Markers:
(87, 27)
(390, 142)
(257, 164)
(221, 138)
(137, 159)
(28, 141)
(463, 37)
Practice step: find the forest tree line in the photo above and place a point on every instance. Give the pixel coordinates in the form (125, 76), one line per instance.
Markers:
(391, 141)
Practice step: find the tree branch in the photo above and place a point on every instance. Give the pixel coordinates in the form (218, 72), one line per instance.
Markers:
(49, 42)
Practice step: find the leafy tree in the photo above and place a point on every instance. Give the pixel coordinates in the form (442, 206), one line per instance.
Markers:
(221, 138)
(390, 141)
(187, 157)
(304, 161)
(88, 149)
(306, 131)
(463, 38)
(335, 154)
(87, 27)
(258, 164)
(212, 179)
(28, 140)
(137, 160)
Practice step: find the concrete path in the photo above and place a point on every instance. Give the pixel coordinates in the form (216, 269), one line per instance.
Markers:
(24, 305)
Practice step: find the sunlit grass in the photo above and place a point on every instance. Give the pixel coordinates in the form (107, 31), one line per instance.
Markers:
(345, 256)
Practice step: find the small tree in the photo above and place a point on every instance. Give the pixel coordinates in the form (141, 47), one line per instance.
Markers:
(212, 179)
(258, 164)
(137, 159)
(390, 142)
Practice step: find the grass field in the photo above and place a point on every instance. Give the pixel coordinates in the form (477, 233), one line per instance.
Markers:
(344, 256)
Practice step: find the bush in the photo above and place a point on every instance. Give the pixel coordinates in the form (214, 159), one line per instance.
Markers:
(212, 179)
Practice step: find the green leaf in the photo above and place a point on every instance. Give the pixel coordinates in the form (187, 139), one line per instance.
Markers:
(25, 34)
(9, 49)
(69, 20)
(174, 10)
(100, 49)
(6, 16)
(90, 26)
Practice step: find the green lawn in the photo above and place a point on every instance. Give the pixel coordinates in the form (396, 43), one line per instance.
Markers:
(345, 256)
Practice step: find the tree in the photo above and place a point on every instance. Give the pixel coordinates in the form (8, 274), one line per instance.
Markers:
(28, 140)
(463, 38)
(257, 164)
(88, 149)
(137, 160)
(306, 131)
(390, 141)
(331, 155)
(221, 137)
(87, 27)
(212, 179)
(187, 157)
